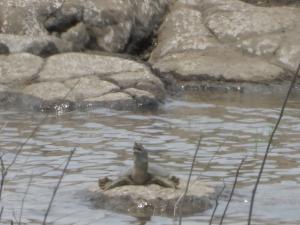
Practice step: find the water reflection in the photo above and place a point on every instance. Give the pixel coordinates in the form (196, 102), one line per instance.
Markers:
(232, 126)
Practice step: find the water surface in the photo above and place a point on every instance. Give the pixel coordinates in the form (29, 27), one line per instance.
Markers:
(232, 126)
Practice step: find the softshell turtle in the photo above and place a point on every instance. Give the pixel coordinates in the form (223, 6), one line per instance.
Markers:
(141, 173)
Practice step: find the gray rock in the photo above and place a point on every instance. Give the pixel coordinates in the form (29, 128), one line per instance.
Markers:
(42, 45)
(117, 100)
(144, 99)
(144, 201)
(48, 91)
(141, 79)
(229, 66)
(24, 17)
(227, 40)
(289, 52)
(4, 49)
(73, 65)
(19, 69)
(78, 36)
(182, 30)
(89, 87)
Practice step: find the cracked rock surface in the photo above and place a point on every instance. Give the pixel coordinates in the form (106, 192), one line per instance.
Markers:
(85, 79)
(131, 199)
(228, 41)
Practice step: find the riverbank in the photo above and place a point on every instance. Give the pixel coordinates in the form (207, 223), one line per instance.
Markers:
(63, 55)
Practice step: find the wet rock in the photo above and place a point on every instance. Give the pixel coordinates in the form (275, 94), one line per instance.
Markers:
(117, 100)
(58, 106)
(228, 41)
(19, 68)
(43, 45)
(87, 80)
(153, 199)
(3, 49)
(143, 99)
(8, 98)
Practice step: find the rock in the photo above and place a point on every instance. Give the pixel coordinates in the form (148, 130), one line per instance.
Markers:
(78, 36)
(227, 40)
(141, 79)
(89, 87)
(43, 45)
(58, 106)
(24, 17)
(182, 30)
(106, 25)
(289, 52)
(8, 98)
(66, 15)
(84, 79)
(4, 49)
(48, 91)
(227, 67)
(144, 201)
(72, 65)
(19, 68)
(117, 100)
(143, 99)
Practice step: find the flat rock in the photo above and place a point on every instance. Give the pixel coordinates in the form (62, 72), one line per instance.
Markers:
(19, 68)
(73, 65)
(229, 67)
(89, 87)
(83, 79)
(47, 90)
(227, 40)
(143, 201)
(117, 100)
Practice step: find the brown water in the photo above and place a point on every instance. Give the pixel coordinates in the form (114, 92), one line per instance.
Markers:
(232, 126)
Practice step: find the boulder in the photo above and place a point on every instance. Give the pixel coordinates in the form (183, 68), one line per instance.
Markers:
(146, 201)
(42, 45)
(19, 69)
(68, 81)
(112, 26)
(229, 41)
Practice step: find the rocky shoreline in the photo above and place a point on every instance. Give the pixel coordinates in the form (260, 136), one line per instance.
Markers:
(74, 54)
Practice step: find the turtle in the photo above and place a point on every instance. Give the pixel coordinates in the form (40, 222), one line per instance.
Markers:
(141, 173)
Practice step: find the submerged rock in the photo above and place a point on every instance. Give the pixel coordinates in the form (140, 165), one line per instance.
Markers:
(143, 201)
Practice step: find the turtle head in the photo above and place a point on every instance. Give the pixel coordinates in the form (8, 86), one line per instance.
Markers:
(140, 155)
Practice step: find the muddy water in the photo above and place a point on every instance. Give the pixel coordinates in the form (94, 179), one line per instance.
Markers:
(232, 127)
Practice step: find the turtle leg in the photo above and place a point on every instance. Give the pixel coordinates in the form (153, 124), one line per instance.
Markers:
(162, 181)
(117, 183)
